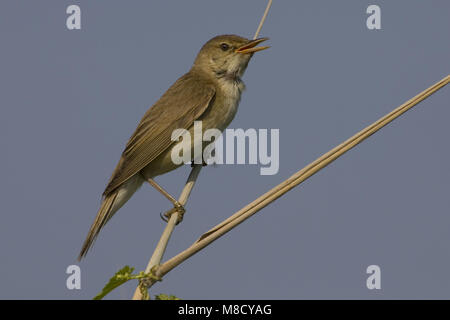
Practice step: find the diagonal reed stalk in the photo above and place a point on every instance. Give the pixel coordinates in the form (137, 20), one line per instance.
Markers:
(297, 178)
(162, 244)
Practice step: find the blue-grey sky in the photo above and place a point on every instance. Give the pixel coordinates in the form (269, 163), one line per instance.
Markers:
(71, 99)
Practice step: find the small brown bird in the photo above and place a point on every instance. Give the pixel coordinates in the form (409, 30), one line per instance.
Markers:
(210, 92)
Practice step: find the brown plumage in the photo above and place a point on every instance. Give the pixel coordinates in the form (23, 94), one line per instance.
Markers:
(179, 107)
(209, 92)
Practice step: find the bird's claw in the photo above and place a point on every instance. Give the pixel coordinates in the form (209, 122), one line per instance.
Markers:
(163, 217)
(178, 208)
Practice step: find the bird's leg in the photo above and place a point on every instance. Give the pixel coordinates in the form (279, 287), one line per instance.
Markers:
(177, 207)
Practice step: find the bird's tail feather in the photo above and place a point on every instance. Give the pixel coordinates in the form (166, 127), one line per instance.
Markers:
(104, 214)
(110, 204)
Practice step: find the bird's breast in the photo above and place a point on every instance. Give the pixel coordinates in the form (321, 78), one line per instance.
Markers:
(225, 105)
(217, 116)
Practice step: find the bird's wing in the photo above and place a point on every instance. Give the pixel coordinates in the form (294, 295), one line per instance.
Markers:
(184, 102)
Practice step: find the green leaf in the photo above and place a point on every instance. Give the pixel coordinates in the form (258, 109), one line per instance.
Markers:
(163, 296)
(122, 276)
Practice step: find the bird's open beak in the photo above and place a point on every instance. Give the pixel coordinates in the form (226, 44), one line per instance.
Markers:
(251, 46)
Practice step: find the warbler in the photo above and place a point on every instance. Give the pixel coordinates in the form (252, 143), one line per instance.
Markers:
(210, 92)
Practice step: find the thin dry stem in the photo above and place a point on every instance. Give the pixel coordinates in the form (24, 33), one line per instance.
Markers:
(162, 244)
(293, 181)
(263, 19)
(165, 237)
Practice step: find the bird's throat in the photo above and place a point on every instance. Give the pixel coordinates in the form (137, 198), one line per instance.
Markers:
(232, 77)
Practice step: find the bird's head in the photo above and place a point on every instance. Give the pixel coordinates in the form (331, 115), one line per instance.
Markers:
(227, 55)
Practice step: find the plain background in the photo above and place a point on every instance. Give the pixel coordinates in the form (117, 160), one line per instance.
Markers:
(71, 99)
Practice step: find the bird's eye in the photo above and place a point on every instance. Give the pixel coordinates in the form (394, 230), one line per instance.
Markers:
(224, 46)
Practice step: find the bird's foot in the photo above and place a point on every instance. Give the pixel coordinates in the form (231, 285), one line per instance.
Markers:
(177, 208)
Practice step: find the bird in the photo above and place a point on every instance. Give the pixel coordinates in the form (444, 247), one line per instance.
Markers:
(209, 92)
